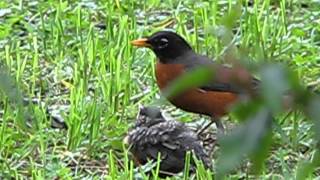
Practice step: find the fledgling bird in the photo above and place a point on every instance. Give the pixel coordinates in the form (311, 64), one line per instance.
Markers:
(153, 134)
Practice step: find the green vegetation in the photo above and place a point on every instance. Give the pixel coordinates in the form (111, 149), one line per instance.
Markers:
(75, 59)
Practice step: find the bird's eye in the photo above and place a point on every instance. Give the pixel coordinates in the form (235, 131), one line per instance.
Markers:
(162, 43)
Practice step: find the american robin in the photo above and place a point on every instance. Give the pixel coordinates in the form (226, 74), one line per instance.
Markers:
(176, 57)
(153, 134)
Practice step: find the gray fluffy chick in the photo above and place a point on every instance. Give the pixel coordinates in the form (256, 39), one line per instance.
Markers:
(153, 134)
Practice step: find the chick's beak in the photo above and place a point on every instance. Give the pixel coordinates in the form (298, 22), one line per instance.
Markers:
(143, 42)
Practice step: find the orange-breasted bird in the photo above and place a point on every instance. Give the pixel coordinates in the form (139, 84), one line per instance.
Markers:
(175, 57)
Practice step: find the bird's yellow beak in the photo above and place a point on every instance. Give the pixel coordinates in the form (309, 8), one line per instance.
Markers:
(143, 42)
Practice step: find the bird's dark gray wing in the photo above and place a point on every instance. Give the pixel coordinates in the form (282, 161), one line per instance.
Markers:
(193, 144)
(226, 87)
(193, 61)
(161, 138)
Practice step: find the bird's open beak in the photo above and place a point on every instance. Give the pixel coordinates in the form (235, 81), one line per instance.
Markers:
(143, 42)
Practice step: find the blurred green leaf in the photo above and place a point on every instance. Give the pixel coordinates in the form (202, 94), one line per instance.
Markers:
(250, 106)
(312, 110)
(274, 85)
(305, 169)
(8, 88)
(249, 139)
(192, 79)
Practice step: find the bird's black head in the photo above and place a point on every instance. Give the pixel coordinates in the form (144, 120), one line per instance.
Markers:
(166, 45)
(149, 116)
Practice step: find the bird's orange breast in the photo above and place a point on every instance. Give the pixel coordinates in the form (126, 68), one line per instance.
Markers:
(167, 73)
(212, 103)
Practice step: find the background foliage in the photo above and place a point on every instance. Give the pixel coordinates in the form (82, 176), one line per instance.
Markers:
(72, 60)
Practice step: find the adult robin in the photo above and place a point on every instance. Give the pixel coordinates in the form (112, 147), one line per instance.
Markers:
(153, 134)
(175, 57)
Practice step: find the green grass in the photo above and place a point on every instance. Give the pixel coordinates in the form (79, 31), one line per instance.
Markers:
(76, 59)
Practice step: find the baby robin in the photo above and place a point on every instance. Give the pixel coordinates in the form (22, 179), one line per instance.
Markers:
(153, 134)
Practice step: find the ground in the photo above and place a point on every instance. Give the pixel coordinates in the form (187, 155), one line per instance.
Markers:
(71, 63)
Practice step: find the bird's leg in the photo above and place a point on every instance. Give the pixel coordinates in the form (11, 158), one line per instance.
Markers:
(219, 125)
(204, 128)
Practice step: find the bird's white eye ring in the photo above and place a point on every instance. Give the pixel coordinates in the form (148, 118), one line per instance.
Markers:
(164, 40)
(163, 43)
